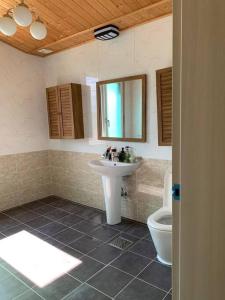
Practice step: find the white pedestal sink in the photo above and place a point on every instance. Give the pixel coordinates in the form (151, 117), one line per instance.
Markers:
(112, 173)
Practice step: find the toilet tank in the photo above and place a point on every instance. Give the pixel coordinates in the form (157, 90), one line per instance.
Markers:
(167, 194)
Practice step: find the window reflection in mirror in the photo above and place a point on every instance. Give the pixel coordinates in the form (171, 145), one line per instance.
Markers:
(121, 109)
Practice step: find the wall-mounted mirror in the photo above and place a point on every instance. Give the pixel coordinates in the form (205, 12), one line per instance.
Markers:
(122, 109)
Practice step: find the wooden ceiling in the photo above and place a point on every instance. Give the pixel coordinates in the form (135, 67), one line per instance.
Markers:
(71, 22)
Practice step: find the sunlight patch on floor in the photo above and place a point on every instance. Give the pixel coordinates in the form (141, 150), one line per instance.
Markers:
(37, 260)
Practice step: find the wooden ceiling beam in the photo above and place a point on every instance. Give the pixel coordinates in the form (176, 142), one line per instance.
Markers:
(114, 20)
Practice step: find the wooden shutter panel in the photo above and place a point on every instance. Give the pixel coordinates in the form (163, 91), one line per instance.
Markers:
(66, 102)
(53, 113)
(164, 103)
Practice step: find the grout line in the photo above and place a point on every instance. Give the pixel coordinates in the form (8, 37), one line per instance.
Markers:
(87, 254)
(98, 291)
(20, 280)
(166, 295)
(131, 281)
(14, 298)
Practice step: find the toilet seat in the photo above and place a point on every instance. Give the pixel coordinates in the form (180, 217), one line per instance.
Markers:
(154, 219)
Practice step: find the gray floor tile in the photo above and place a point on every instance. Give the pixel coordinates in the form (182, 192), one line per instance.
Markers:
(16, 273)
(157, 275)
(70, 207)
(104, 233)
(28, 295)
(59, 202)
(16, 229)
(123, 226)
(49, 199)
(41, 215)
(87, 212)
(110, 281)
(33, 205)
(105, 253)
(148, 237)
(38, 234)
(10, 287)
(68, 236)
(58, 288)
(7, 222)
(52, 228)
(85, 244)
(38, 222)
(44, 209)
(99, 218)
(26, 216)
(168, 297)
(86, 269)
(2, 236)
(3, 273)
(55, 243)
(86, 226)
(131, 263)
(86, 292)
(15, 211)
(144, 247)
(56, 214)
(139, 290)
(138, 230)
(70, 220)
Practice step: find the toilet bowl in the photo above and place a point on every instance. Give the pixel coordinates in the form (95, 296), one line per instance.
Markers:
(160, 225)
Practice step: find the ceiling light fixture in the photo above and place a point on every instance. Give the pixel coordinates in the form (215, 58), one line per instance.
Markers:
(106, 32)
(22, 16)
(7, 25)
(38, 30)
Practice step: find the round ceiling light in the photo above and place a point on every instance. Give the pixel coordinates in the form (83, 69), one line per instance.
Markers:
(7, 25)
(38, 30)
(22, 15)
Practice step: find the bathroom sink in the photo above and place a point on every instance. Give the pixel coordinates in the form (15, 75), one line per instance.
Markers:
(112, 173)
(111, 168)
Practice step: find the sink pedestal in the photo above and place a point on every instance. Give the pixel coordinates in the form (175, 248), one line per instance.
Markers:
(112, 173)
(112, 193)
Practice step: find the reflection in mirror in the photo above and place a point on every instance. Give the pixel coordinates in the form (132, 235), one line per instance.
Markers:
(121, 108)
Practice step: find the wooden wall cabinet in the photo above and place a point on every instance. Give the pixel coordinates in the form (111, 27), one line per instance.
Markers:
(164, 106)
(65, 113)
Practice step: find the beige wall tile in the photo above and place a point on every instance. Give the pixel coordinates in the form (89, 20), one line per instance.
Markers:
(23, 178)
(73, 179)
(31, 176)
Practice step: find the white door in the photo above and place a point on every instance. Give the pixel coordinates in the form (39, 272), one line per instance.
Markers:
(199, 149)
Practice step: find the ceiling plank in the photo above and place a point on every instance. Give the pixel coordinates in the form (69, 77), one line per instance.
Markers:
(72, 22)
(134, 14)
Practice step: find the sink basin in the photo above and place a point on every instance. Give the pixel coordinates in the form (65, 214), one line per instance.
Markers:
(112, 173)
(111, 168)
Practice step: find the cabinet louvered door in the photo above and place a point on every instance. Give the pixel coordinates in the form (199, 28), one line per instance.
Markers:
(164, 106)
(66, 103)
(54, 113)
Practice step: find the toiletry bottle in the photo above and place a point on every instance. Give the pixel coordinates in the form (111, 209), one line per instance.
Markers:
(114, 154)
(110, 153)
(132, 155)
(122, 155)
(127, 156)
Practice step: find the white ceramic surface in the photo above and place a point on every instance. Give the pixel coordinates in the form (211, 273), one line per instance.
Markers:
(112, 173)
(161, 236)
(162, 233)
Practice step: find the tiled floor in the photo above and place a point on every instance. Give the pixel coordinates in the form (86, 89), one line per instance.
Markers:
(106, 272)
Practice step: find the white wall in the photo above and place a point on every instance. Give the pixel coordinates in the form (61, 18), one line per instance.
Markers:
(23, 116)
(143, 49)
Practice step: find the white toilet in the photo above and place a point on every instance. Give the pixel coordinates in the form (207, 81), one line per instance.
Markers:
(160, 225)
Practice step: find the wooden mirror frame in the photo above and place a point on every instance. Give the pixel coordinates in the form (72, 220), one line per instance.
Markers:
(144, 106)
